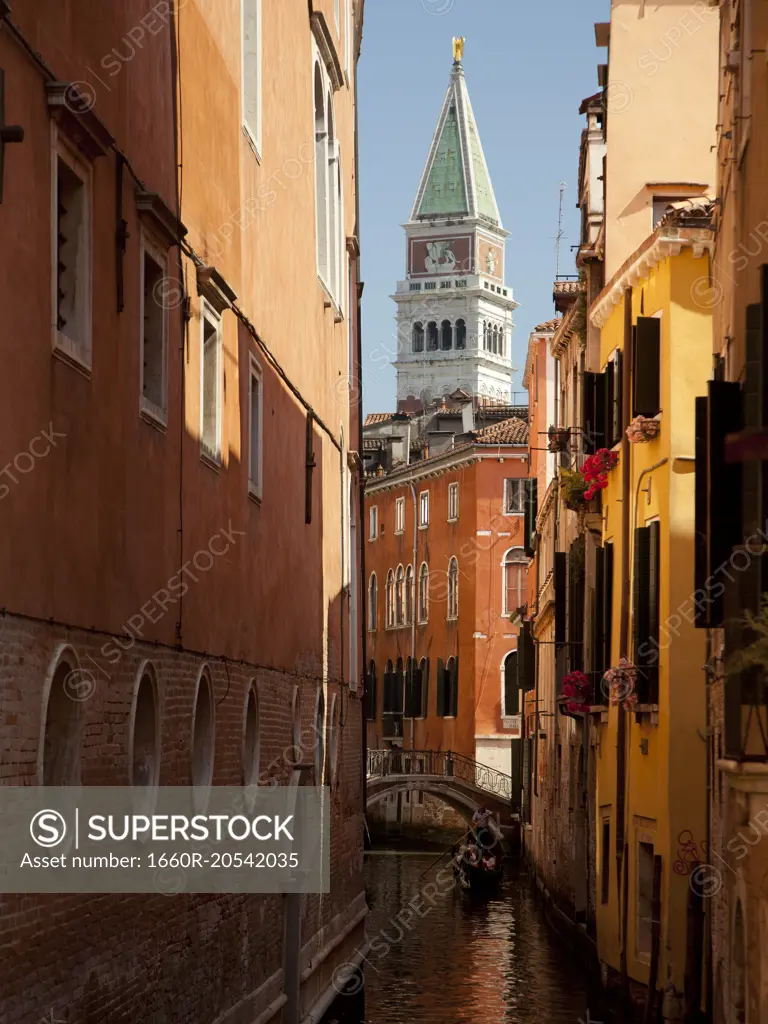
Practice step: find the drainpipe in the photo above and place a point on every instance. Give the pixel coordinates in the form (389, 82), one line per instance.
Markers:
(415, 588)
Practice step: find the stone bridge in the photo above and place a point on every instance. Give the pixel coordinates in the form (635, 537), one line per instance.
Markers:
(459, 781)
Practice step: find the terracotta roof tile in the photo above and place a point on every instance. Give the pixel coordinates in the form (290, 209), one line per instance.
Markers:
(511, 431)
(377, 417)
(548, 325)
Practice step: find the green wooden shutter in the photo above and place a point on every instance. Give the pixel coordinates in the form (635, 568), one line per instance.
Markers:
(588, 395)
(646, 370)
(610, 384)
(511, 685)
(597, 644)
(739, 482)
(617, 428)
(607, 608)
(599, 440)
(654, 599)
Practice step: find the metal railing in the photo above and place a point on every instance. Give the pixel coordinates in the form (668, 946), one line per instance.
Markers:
(445, 763)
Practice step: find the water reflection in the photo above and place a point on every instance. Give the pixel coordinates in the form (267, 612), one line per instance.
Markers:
(439, 956)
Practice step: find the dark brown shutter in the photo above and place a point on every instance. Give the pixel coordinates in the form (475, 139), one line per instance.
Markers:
(640, 608)
(607, 609)
(576, 606)
(599, 439)
(610, 383)
(737, 482)
(588, 397)
(531, 511)
(597, 665)
(646, 369)
(517, 775)
(654, 599)
(441, 688)
(511, 685)
(527, 654)
(370, 693)
(700, 573)
(617, 427)
(453, 689)
(561, 596)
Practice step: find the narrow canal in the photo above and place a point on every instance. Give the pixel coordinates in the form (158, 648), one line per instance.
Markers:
(439, 956)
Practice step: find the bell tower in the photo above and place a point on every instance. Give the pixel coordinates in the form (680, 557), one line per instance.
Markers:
(454, 310)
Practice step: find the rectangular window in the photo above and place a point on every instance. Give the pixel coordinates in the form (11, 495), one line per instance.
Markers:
(453, 502)
(424, 510)
(210, 384)
(255, 419)
(646, 377)
(71, 255)
(153, 333)
(400, 515)
(373, 522)
(514, 497)
(605, 860)
(251, 37)
(644, 898)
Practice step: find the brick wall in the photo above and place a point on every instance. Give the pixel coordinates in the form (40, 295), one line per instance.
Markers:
(160, 958)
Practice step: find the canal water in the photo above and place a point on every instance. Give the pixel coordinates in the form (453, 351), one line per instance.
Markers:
(440, 956)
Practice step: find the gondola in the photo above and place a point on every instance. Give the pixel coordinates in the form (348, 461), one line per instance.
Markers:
(476, 876)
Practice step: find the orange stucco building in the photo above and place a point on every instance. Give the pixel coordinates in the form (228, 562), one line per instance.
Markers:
(447, 573)
(180, 500)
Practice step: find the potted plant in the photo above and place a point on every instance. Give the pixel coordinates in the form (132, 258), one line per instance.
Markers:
(643, 429)
(596, 469)
(559, 439)
(621, 682)
(576, 692)
(573, 489)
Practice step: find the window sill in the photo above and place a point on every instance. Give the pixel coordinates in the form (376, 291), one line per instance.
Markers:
(255, 147)
(330, 300)
(453, 519)
(399, 533)
(153, 415)
(372, 539)
(451, 618)
(425, 526)
(69, 353)
(212, 461)
(254, 493)
(513, 513)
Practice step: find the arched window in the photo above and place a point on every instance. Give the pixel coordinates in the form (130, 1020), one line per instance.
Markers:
(446, 336)
(203, 739)
(432, 336)
(495, 338)
(414, 688)
(453, 588)
(409, 595)
(373, 599)
(502, 333)
(461, 334)
(423, 602)
(399, 596)
(485, 334)
(333, 204)
(417, 337)
(145, 736)
(511, 686)
(321, 176)
(514, 570)
(369, 706)
(390, 599)
(59, 759)
(251, 738)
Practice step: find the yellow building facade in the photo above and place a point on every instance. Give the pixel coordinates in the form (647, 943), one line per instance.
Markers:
(655, 352)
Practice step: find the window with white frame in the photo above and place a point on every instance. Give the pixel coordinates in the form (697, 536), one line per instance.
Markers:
(409, 595)
(154, 321)
(400, 596)
(255, 421)
(373, 522)
(514, 497)
(337, 14)
(251, 57)
(71, 240)
(210, 382)
(399, 515)
(453, 502)
(390, 600)
(453, 588)
(373, 600)
(424, 510)
(321, 173)
(349, 32)
(514, 569)
(328, 189)
(423, 601)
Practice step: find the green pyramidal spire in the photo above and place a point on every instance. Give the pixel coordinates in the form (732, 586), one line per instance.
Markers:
(455, 182)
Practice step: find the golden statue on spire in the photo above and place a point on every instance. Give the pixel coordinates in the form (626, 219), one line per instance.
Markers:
(458, 48)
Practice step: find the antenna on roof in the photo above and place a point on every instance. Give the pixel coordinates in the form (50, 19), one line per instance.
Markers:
(559, 237)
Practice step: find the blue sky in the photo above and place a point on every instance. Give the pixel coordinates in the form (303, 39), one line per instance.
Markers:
(528, 66)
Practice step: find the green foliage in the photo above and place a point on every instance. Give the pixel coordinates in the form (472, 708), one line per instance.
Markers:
(572, 488)
(754, 654)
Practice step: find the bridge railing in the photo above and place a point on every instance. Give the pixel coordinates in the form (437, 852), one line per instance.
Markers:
(446, 763)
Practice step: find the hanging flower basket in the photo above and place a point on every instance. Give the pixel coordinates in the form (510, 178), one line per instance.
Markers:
(576, 693)
(622, 682)
(596, 469)
(643, 429)
(573, 488)
(559, 439)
